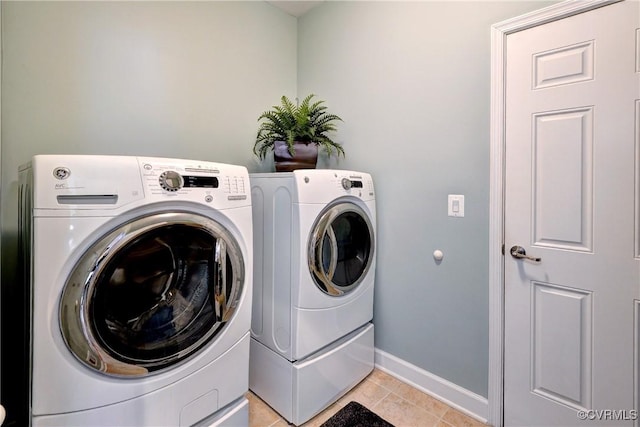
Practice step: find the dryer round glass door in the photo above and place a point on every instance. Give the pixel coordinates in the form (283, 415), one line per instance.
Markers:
(151, 293)
(341, 248)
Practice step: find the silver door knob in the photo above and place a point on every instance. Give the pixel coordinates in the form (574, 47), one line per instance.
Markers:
(518, 252)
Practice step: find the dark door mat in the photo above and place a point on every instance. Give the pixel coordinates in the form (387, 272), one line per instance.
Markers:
(355, 415)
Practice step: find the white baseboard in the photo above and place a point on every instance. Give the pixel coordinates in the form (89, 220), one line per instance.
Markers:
(453, 395)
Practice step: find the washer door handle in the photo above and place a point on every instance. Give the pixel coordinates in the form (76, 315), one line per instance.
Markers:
(220, 280)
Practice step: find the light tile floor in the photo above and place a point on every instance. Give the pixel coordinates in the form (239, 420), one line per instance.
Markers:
(397, 402)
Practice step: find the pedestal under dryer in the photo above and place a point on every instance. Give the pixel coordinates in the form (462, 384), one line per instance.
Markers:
(314, 248)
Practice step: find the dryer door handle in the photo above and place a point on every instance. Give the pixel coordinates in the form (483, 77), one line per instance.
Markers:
(316, 254)
(334, 252)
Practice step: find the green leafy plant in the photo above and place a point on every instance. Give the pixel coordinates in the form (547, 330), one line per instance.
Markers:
(308, 122)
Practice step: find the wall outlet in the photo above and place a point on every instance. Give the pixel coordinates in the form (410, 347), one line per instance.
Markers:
(456, 205)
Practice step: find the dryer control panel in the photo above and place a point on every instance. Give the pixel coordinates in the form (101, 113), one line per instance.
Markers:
(325, 185)
(348, 183)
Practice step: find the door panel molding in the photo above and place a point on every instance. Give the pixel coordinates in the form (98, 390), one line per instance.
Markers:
(638, 50)
(563, 166)
(566, 65)
(499, 34)
(565, 375)
(637, 167)
(636, 357)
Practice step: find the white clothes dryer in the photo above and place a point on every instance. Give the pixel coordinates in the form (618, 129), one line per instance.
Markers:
(314, 249)
(140, 272)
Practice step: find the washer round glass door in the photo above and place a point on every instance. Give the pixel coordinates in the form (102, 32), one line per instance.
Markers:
(151, 293)
(341, 248)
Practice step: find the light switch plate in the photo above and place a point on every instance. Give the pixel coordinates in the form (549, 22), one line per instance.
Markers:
(456, 205)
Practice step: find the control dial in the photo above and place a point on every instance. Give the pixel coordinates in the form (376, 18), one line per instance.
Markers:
(346, 183)
(171, 181)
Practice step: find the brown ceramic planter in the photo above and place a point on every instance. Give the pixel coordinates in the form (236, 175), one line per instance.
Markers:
(306, 156)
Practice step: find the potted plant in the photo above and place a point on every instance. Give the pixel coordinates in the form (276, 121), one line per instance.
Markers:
(294, 132)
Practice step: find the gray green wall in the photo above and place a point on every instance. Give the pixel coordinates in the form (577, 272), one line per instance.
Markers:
(412, 82)
(189, 79)
(172, 79)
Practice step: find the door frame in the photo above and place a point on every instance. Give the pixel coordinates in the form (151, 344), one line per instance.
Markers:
(499, 34)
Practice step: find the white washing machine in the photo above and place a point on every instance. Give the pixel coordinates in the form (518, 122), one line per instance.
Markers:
(141, 275)
(314, 249)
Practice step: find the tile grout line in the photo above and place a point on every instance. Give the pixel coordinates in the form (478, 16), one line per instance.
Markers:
(441, 419)
(382, 398)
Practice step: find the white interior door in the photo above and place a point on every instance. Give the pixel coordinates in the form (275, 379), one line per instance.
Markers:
(571, 198)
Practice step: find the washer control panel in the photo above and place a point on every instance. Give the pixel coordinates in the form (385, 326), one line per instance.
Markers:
(172, 181)
(192, 180)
